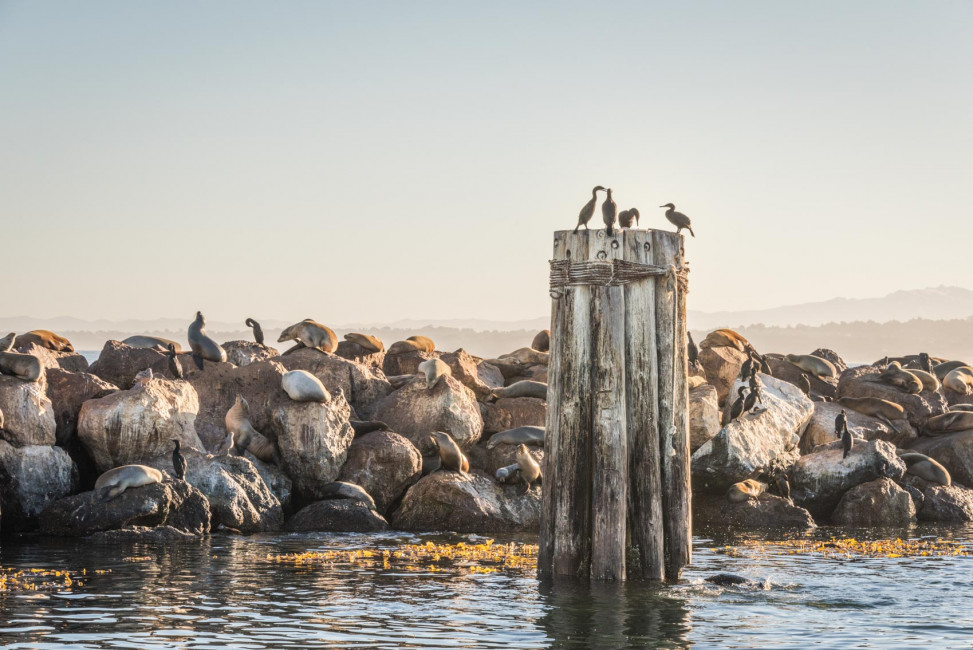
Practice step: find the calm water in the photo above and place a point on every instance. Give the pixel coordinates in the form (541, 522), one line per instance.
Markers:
(221, 593)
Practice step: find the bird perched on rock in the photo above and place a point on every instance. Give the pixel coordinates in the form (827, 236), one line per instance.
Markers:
(589, 208)
(677, 219)
(626, 217)
(784, 486)
(225, 447)
(608, 210)
(178, 462)
(754, 383)
(736, 409)
(804, 384)
(840, 424)
(846, 442)
(751, 399)
(258, 332)
(925, 362)
(692, 349)
(174, 366)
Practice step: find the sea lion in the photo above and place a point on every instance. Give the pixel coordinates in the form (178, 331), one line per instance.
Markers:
(530, 470)
(948, 422)
(925, 468)
(527, 435)
(725, 338)
(402, 347)
(302, 386)
(678, 219)
(744, 490)
(894, 375)
(258, 332)
(608, 212)
(961, 407)
(311, 335)
(526, 356)
(736, 409)
(7, 342)
(943, 369)
(175, 366)
(508, 474)
(370, 343)
(22, 366)
(204, 348)
(542, 341)
(362, 427)
(812, 364)
(452, 457)
(343, 490)
(927, 379)
(151, 342)
(45, 339)
(434, 369)
(424, 343)
(398, 381)
(875, 407)
(117, 480)
(179, 464)
(525, 388)
(245, 436)
(729, 580)
(959, 380)
(588, 209)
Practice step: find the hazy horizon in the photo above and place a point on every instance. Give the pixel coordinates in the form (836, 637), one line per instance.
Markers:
(384, 161)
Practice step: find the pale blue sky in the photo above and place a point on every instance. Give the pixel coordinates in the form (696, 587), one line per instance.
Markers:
(365, 161)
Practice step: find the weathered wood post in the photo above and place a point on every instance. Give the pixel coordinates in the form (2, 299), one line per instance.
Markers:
(616, 465)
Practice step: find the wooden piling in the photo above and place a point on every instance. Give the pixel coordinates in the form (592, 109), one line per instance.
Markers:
(616, 467)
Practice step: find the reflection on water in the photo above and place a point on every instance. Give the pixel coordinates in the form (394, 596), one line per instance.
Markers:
(222, 592)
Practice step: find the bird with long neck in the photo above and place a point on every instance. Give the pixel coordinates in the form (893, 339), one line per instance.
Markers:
(175, 368)
(589, 209)
(678, 219)
(608, 211)
(626, 217)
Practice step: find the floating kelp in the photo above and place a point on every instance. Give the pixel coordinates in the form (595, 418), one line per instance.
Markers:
(429, 557)
(851, 547)
(12, 580)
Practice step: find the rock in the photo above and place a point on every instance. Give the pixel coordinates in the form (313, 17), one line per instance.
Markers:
(405, 363)
(337, 516)
(243, 353)
(472, 503)
(313, 439)
(354, 352)
(384, 464)
(67, 392)
(766, 511)
(820, 430)
(721, 366)
(137, 425)
(31, 478)
(490, 374)
(820, 386)
(142, 535)
(862, 382)
(755, 439)
(28, 414)
(947, 504)
(362, 386)
(704, 416)
(275, 478)
(414, 411)
(511, 412)
(876, 503)
(119, 363)
(832, 356)
(172, 503)
(238, 496)
(954, 451)
(50, 359)
(820, 479)
(466, 369)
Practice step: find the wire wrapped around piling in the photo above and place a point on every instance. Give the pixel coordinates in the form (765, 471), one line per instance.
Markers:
(608, 273)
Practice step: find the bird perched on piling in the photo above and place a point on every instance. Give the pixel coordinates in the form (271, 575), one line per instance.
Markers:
(677, 219)
(589, 209)
(626, 217)
(178, 462)
(846, 442)
(258, 332)
(608, 210)
(174, 366)
(692, 349)
(840, 424)
(736, 409)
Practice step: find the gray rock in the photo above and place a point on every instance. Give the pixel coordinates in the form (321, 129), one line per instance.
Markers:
(243, 353)
(119, 363)
(414, 411)
(877, 503)
(512, 412)
(948, 504)
(28, 414)
(704, 416)
(313, 439)
(337, 516)
(766, 511)
(721, 365)
(31, 478)
(384, 464)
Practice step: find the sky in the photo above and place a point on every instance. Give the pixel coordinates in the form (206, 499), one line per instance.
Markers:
(373, 161)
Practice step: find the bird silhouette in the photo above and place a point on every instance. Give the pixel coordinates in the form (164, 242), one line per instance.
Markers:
(589, 209)
(677, 219)
(178, 462)
(626, 217)
(174, 366)
(608, 210)
(258, 333)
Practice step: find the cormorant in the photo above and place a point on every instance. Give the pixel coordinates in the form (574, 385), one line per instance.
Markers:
(677, 219)
(258, 333)
(840, 424)
(736, 410)
(608, 210)
(589, 209)
(175, 367)
(626, 217)
(178, 462)
(846, 442)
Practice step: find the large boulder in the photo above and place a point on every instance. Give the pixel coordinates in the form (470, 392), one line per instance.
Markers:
(32, 477)
(276, 479)
(704, 415)
(415, 411)
(313, 439)
(512, 412)
(354, 352)
(172, 503)
(877, 503)
(766, 511)
(820, 386)
(363, 387)
(471, 503)
(384, 464)
(820, 430)
(947, 504)
(243, 353)
(28, 414)
(490, 375)
(465, 368)
(863, 382)
(336, 516)
(754, 440)
(954, 451)
(238, 496)
(137, 425)
(405, 363)
(119, 363)
(50, 359)
(721, 366)
(821, 478)
(67, 392)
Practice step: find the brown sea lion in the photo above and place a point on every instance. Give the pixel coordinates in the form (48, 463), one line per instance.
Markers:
(542, 342)
(22, 366)
(925, 468)
(894, 375)
(875, 407)
(452, 457)
(948, 422)
(943, 369)
(812, 364)
(526, 435)
(401, 347)
(117, 480)
(530, 470)
(245, 436)
(424, 343)
(524, 388)
(959, 380)
(204, 348)
(7, 342)
(725, 338)
(45, 339)
(151, 342)
(311, 335)
(370, 343)
(747, 489)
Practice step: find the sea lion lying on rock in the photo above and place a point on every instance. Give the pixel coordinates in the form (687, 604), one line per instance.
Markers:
(151, 342)
(423, 343)
(362, 427)
(21, 366)
(311, 335)
(302, 386)
(927, 379)
(527, 435)
(343, 490)
(812, 364)
(925, 468)
(117, 480)
(943, 369)
(365, 341)
(725, 338)
(747, 489)
(959, 380)
(881, 409)
(45, 339)
(894, 375)
(7, 342)
(525, 356)
(526, 388)
(948, 423)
